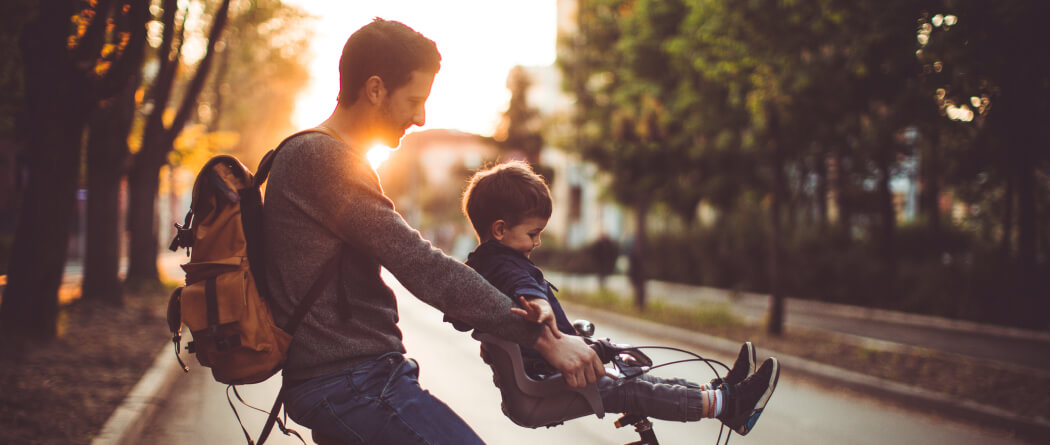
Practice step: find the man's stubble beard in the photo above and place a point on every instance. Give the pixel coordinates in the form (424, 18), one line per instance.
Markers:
(391, 131)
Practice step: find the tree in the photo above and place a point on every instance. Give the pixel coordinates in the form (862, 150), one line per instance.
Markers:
(260, 68)
(983, 77)
(159, 134)
(107, 162)
(67, 72)
(518, 134)
(623, 82)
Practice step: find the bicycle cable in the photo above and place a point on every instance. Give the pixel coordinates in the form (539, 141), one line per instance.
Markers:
(698, 358)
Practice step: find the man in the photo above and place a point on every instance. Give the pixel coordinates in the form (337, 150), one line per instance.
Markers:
(346, 376)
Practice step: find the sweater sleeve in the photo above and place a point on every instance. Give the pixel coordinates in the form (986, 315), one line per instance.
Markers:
(339, 189)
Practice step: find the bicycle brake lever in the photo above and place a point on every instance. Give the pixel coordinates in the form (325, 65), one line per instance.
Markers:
(625, 355)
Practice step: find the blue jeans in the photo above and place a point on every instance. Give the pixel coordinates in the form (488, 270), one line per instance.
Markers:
(376, 402)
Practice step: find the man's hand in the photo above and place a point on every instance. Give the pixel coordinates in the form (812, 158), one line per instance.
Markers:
(570, 355)
(538, 310)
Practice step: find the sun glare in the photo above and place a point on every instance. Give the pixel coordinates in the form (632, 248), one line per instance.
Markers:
(470, 92)
(376, 155)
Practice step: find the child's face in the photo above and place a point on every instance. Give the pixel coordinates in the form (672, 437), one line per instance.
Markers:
(523, 236)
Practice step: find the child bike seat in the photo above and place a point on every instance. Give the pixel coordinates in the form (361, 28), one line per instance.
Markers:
(529, 402)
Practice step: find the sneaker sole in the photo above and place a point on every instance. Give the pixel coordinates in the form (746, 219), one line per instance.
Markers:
(762, 401)
(752, 364)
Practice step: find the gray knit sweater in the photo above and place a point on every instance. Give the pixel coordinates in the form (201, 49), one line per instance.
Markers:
(323, 198)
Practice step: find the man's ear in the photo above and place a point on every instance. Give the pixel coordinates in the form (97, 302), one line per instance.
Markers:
(499, 229)
(375, 90)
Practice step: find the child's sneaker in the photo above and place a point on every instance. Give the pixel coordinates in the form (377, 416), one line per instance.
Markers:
(744, 366)
(746, 400)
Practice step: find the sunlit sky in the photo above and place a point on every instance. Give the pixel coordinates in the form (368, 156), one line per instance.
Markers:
(479, 41)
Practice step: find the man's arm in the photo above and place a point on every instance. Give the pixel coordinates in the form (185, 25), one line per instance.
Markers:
(537, 310)
(341, 192)
(578, 363)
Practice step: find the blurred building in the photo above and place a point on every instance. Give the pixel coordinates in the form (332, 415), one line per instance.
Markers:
(426, 177)
(581, 214)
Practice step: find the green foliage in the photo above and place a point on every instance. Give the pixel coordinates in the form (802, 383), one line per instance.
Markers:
(619, 71)
(258, 75)
(947, 273)
(707, 100)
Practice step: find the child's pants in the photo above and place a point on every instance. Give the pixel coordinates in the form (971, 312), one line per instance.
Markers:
(651, 396)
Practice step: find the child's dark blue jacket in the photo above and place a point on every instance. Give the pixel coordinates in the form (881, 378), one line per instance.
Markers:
(515, 275)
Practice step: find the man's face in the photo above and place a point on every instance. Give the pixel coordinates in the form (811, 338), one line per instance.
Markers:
(403, 108)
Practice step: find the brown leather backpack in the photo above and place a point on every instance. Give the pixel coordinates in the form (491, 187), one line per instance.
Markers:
(225, 302)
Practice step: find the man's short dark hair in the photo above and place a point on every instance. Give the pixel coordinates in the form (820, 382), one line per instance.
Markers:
(388, 49)
(510, 191)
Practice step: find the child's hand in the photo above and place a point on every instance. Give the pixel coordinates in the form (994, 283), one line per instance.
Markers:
(538, 310)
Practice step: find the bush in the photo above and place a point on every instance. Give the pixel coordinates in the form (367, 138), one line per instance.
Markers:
(557, 257)
(948, 273)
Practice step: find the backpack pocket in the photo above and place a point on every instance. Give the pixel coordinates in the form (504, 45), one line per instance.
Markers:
(232, 327)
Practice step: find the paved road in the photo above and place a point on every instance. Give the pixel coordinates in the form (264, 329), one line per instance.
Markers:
(1032, 353)
(799, 413)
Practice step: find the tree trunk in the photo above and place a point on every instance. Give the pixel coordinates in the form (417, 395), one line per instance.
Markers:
(107, 156)
(56, 106)
(30, 304)
(143, 182)
(822, 191)
(887, 217)
(637, 256)
(841, 183)
(157, 142)
(931, 184)
(790, 200)
(1029, 311)
(1006, 242)
(776, 298)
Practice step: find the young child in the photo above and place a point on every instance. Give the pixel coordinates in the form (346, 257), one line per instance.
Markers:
(509, 206)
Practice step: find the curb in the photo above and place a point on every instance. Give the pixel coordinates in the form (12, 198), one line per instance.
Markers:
(657, 288)
(1037, 429)
(128, 420)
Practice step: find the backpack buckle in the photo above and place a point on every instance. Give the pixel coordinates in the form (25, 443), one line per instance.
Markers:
(183, 235)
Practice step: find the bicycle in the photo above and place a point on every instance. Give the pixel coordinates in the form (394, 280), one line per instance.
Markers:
(548, 401)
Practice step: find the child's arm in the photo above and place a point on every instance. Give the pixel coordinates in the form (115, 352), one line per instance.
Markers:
(538, 310)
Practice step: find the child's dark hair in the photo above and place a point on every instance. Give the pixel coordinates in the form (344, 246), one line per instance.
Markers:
(510, 191)
(387, 49)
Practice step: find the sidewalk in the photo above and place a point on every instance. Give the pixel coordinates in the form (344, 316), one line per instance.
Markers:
(878, 328)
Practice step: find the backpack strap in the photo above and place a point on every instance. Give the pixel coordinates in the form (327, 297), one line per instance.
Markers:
(266, 163)
(251, 209)
(313, 294)
(327, 274)
(300, 312)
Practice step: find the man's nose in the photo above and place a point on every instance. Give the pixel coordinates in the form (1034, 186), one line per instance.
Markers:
(420, 118)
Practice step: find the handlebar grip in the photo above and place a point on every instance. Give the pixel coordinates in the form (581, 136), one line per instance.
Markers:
(601, 351)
